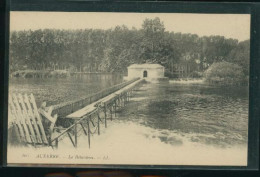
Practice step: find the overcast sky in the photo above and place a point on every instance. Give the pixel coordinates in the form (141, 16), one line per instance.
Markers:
(235, 26)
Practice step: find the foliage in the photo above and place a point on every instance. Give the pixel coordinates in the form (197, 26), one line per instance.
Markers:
(241, 55)
(112, 50)
(225, 73)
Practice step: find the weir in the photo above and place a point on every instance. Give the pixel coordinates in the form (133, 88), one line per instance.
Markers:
(66, 108)
(85, 114)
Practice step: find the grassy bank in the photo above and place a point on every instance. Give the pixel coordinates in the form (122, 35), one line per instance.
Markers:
(40, 73)
(187, 80)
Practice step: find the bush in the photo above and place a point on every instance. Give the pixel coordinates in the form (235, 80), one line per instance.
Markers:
(225, 73)
(196, 74)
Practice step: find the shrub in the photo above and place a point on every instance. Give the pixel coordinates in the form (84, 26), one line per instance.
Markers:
(196, 74)
(225, 73)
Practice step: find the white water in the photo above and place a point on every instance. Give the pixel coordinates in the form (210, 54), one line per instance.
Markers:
(182, 81)
(131, 143)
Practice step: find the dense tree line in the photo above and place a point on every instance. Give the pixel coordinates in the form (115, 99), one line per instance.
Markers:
(112, 50)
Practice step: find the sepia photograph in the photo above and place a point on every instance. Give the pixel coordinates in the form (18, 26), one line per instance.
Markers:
(113, 88)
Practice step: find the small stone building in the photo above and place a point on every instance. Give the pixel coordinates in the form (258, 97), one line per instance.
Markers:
(148, 71)
(145, 71)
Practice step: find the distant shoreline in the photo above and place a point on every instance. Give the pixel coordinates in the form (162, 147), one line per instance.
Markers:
(48, 73)
(203, 81)
(187, 81)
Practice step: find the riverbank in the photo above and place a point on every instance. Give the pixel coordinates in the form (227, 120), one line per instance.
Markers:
(187, 81)
(213, 82)
(40, 73)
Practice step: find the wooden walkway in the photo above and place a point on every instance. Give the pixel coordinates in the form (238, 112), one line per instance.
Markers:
(89, 116)
(38, 126)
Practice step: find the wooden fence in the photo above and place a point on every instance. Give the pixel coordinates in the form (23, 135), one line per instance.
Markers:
(64, 109)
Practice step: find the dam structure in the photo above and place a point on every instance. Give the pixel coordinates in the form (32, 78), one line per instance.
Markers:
(47, 125)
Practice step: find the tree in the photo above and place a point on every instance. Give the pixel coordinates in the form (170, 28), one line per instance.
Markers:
(240, 55)
(114, 49)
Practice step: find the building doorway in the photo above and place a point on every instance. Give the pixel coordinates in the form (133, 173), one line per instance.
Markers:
(145, 74)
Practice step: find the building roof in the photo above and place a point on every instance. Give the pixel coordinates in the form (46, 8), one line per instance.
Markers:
(145, 66)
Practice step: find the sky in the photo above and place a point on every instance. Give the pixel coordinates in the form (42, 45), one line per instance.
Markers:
(236, 26)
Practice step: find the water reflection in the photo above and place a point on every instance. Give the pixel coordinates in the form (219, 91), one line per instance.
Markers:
(57, 90)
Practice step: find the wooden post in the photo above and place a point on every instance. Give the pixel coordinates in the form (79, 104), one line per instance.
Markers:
(115, 107)
(124, 99)
(21, 116)
(111, 112)
(105, 111)
(73, 143)
(76, 136)
(88, 134)
(83, 128)
(56, 143)
(98, 124)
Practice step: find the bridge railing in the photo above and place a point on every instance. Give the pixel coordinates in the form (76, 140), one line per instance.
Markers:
(64, 109)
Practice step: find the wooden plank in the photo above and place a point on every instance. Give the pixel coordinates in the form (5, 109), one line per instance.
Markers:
(105, 111)
(70, 127)
(98, 123)
(55, 117)
(94, 107)
(84, 130)
(88, 133)
(12, 113)
(111, 97)
(71, 139)
(82, 112)
(38, 118)
(47, 115)
(16, 126)
(76, 136)
(50, 109)
(89, 98)
(31, 114)
(29, 118)
(23, 120)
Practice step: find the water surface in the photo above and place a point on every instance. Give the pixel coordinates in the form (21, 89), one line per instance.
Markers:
(58, 90)
(207, 114)
(199, 112)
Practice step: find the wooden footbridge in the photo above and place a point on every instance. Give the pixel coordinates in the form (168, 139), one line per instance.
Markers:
(49, 125)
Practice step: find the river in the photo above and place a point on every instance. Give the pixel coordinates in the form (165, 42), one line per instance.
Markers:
(194, 122)
(58, 90)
